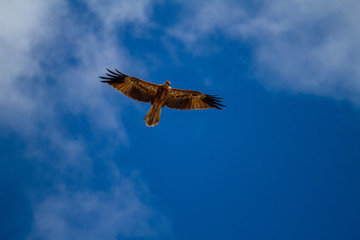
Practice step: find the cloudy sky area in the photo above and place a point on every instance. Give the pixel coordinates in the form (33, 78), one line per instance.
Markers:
(280, 162)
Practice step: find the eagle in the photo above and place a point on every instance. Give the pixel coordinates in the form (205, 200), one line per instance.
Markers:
(159, 95)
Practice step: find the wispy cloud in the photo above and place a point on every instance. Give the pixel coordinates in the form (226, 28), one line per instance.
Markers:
(50, 58)
(114, 13)
(117, 212)
(301, 46)
(309, 46)
(20, 32)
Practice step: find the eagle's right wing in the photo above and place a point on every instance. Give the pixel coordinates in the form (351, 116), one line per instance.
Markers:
(132, 87)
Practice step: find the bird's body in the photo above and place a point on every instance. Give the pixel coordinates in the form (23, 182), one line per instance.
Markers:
(160, 95)
(153, 116)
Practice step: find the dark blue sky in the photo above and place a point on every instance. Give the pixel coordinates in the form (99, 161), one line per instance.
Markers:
(281, 161)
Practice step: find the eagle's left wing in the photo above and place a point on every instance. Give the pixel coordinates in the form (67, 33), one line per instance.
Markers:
(188, 99)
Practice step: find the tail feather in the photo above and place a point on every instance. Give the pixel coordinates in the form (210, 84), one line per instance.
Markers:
(153, 116)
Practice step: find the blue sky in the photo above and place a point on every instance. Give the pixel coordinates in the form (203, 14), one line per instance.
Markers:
(280, 162)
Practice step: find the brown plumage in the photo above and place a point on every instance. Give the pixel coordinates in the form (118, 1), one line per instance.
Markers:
(159, 95)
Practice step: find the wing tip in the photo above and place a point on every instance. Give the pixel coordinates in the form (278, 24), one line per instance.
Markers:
(214, 101)
(115, 77)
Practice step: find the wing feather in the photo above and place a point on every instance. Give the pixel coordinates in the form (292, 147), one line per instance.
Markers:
(188, 99)
(132, 87)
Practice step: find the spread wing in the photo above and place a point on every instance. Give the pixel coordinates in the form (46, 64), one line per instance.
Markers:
(132, 87)
(188, 99)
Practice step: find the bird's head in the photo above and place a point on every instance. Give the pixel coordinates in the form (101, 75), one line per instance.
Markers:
(167, 83)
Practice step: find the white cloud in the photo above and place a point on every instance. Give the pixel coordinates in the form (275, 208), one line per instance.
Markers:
(299, 45)
(36, 41)
(204, 18)
(309, 46)
(50, 58)
(118, 212)
(119, 12)
(20, 31)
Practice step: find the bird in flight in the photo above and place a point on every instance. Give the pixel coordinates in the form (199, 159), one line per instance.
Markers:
(159, 95)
